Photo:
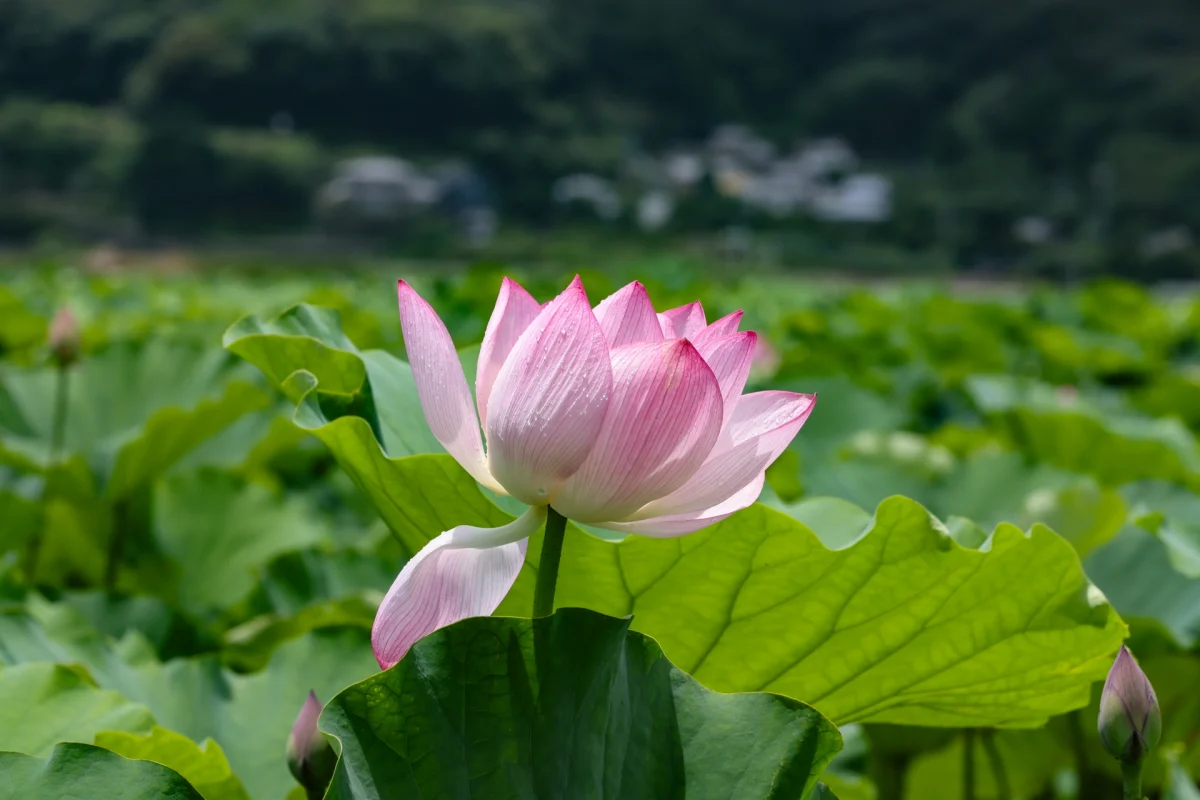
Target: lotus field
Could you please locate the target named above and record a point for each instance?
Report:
(643, 533)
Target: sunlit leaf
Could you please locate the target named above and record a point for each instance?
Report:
(204, 766)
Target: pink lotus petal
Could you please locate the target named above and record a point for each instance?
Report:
(441, 384)
(685, 321)
(515, 310)
(730, 358)
(464, 572)
(662, 422)
(549, 400)
(671, 526)
(627, 316)
(762, 427)
(725, 326)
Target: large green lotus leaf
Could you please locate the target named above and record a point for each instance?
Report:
(85, 771)
(573, 705)
(132, 411)
(249, 716)
(44, 704)
(1114, 446)
(904, 626)
(1136, 573)
(204, 765)
(220, 531)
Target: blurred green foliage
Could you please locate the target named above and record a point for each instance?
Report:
(263, 512)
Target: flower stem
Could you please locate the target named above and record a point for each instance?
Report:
(58, 427)
(999, 774)
(1131, 775)
(969, 764)
(547, 576)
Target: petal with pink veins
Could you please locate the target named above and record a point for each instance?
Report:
(762, 427)
(673, 525)
(730, 358)
(549, 400)
(662, 422)
(464, 572)
(684, 322)
(441, 384)
(725, 326)
(627, 316)
(515, 310)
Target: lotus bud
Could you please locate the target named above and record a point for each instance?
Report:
(309, 756)
(1130, 722)
(64, 337)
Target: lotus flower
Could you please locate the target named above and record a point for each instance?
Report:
(1130, 722)
(617, 416)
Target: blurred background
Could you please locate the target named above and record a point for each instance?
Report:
(1052, 138)
(170, 166)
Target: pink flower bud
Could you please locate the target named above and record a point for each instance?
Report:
(309, 756)
(1130, 722)
(64, 337)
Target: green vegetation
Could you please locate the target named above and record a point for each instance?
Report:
(982, 113)
(243, 468)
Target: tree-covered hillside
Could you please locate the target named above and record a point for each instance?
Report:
(1086, 112)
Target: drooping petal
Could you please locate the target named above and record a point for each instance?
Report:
(730, 358)
(549, 400)
(670, 526)
(627, 317)
(515, 310)
(683, 322)
(441, 384)
(662, 422)
(464, 572)
(762, 427)
(725, 326)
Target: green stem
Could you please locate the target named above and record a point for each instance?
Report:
(969, 764)
(547, 575)
(58, 427)
(999, 774)
(1131, 779)
(1078, 745)
(887, 771)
